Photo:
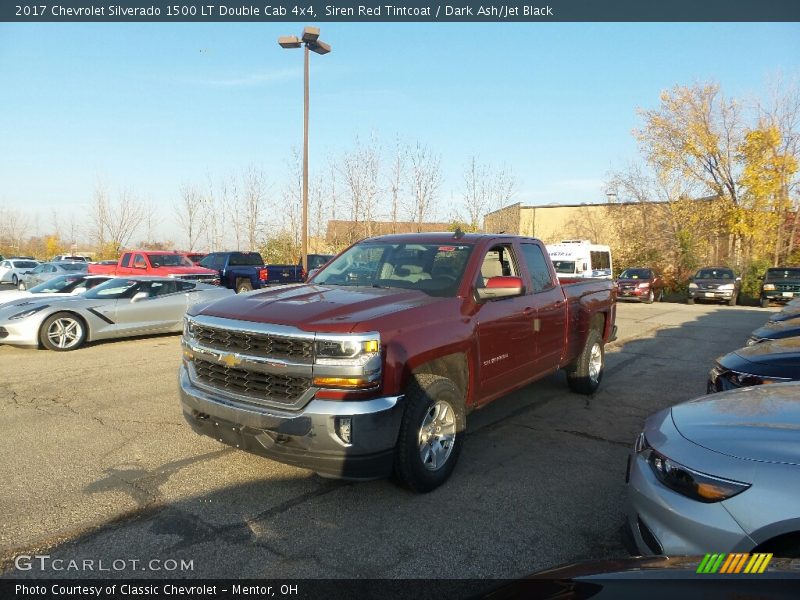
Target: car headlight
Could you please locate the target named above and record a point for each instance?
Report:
(769, 287)
(693, 484)
(753, 340)
(646, 284)
(27, 313)
(726, 286)
(746, 379)
(188, 327)
(692, 286)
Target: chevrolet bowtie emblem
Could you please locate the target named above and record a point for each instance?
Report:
(231, 360)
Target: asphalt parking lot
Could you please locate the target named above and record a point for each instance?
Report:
(99, 465)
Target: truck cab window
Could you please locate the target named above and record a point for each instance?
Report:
(126, 260)
(497, 262)
(537, 266)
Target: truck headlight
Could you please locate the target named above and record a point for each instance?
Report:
(726, 286)
(769, 287)
(692, 286)
(346, 348)
(646, 284)
(693, 484)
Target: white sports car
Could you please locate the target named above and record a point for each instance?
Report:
(120, 307)
(62, 286)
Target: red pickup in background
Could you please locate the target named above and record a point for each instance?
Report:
(157, 263)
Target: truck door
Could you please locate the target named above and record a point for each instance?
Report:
(503, 327)
(550, 318)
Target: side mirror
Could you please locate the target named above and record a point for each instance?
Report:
(499, 287)
(139, 296)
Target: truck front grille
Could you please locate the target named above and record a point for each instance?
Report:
(254, 344)
(258, 386)
(787, 287)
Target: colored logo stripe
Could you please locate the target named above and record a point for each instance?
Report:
(734, 563)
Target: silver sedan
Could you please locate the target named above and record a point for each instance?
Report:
(719, 474)
(120, 307)
(47, 271)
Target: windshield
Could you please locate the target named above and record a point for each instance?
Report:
(714, 274)
(63, 284)
(77, 267)
(564, 266)
(118, 287)
(24, 264)
(435, 269)
(773, 274)
(635, 274)
(169, 260)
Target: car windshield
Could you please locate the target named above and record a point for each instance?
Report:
(564, 266)
(76, 267)
(435, 269)
(24, 264)
(118, 287)
(635, 274)
(169, 260)
(773, 274)
(63, 284)
(714, 274)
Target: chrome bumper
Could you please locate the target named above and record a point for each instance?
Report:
(305, 438)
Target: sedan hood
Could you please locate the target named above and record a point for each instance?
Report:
(632, 281)
(759, 423)
(775, 330)
(776, 352)
(317, 307)
(786, 314)
(713, 281)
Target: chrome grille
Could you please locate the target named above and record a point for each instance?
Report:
(254, 344)
(259, 386)
(787, 287)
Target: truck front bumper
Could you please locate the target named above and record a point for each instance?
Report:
(309, 438)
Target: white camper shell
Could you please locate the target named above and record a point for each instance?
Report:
(581, 258)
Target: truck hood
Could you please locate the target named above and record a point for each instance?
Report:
(317, 307)
(761, 423)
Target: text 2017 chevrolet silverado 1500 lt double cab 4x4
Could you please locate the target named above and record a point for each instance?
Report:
(373, 365)
(158, 263)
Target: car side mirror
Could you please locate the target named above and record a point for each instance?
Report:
(500, 287)
(139, 296)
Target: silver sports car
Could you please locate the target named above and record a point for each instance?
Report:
(48, 270)
(120, 307)
(62, 286)
(719, 474)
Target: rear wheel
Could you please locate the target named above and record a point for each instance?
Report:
(585, 373)
(243, 285)
(764, 302)
(63, 332)
(431, 433)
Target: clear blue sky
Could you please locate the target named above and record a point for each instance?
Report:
(150, 107)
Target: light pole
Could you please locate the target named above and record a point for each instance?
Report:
(312, 42)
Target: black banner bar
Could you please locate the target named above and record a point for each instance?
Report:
(399, 11)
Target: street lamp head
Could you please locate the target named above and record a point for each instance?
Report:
(319, 47)
(310, 34)
(289, 41)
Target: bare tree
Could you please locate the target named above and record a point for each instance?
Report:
(255, 198)
(115, 222)
(486, 189)
(397, 171)
(424, 180)
(191, 214)
(14, 228)
(360, 170)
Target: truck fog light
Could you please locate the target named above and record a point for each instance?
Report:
(344, 429)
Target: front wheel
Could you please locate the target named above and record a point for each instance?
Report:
(764, 302)
(650, 297)
(661, 295)
(732, 301)
(21, 286)
(690, 301)
(585, 373)
(14, 280)
(62, 332)
(431, 433)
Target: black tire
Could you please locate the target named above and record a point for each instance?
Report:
(583, 376)
(72, 336)
(733, 301)
(14, 280)
(243, 285)
(21, 286)
(783, 547)
(764, 302)
(650, 297)
(661, 295)
(424, 394)
(690, 301)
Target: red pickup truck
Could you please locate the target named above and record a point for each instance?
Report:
(373, 365)
(157, 263)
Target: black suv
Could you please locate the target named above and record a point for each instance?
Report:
(780, 284)
(715, 283)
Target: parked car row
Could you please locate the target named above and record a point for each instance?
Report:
(721, 473)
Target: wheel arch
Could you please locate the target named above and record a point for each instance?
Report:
(454, 366)
(73, 313)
